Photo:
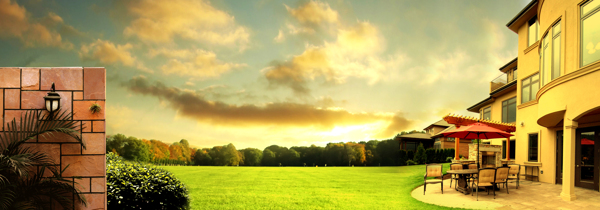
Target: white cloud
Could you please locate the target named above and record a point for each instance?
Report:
(162, 21)
(106, 52)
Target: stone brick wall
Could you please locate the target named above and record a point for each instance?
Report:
(497, 149)
(23, 89)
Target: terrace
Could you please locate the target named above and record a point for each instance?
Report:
(530, 195)
(501, 81)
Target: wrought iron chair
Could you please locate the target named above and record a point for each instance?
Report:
(433, 170)
(455, 166)
(485, 179)
(502, 177)
(515, 173)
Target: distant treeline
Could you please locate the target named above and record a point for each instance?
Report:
(370, 153)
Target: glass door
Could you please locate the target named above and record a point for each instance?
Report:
(586, 173)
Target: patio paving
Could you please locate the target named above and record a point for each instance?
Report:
(530, 195)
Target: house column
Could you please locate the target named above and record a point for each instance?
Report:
(456, 148)
(568, 181)
(507, 149)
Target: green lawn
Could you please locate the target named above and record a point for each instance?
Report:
(302, 187)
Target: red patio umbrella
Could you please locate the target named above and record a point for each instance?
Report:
(477, 131)
(585, 141)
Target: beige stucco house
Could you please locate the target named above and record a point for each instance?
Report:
(554, 100)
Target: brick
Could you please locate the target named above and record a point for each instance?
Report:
(83, 184)
(9, 115)
(84, 165)
(98, 126)
(56, 137)
(35, 100)
(2, 109)
(30, 79)
(71, 149)
(81, 110)
(70, 78)
(52, 150)
(12, 98)
(98, 184)
(94, 83)
(10, 78)
(95, 143)
(87, 126)
(95, 202)
(77, 95)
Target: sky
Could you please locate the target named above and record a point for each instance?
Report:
(264, 72)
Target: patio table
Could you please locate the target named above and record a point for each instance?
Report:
(463, 185)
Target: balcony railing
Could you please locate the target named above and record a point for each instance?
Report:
(499, 82)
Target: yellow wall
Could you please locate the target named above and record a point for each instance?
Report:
(575, 92)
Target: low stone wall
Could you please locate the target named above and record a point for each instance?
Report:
(23, 89)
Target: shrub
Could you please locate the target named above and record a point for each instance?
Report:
(449, 159)
(410, 155)
(402, 158)
(420, 156)
(411, 162)
(136, 186)
(430, 155)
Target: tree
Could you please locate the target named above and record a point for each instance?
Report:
(268, 158)
(175, 152)
(230, 155)
(202, 158)
(420, 156)
(292, 158)
(253, 157)
(116, 143)
(136, 150)
(185, 150)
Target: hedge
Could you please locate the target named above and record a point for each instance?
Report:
(136, 186)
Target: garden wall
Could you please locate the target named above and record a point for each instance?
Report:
(23, 89)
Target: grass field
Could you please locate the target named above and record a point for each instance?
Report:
(302, 187)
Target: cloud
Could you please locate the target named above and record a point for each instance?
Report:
(161, 21)
(314, 12)
(108, 53)
(356, 52)
(280, 37)
(199, 65)
(190, 104)
(15, 22)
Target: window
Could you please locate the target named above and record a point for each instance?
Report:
(533, 31)
(486, 113)
(509, 110)
(550, 55)
(533, 148)
(514, 74)
(450, 139)
(590, 32)
(437, 139)
(530, 87)
(437, 145)
(512, 149)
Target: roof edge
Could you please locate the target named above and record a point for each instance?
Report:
(508, 64)
(522, 12)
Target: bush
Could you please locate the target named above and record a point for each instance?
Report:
(431, 158)
(402, 158)
(410, 155)
(449, 159)
(420, 156)
(136, 186)
(411, 162)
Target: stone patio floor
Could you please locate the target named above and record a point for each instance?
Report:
(530, 195)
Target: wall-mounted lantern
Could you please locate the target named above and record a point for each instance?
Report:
(52, 101)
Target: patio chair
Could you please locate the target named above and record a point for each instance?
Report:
(433, 170)
(455, 166)
(514, 173)
(502, 177)
(484, 179)
(474, 176)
